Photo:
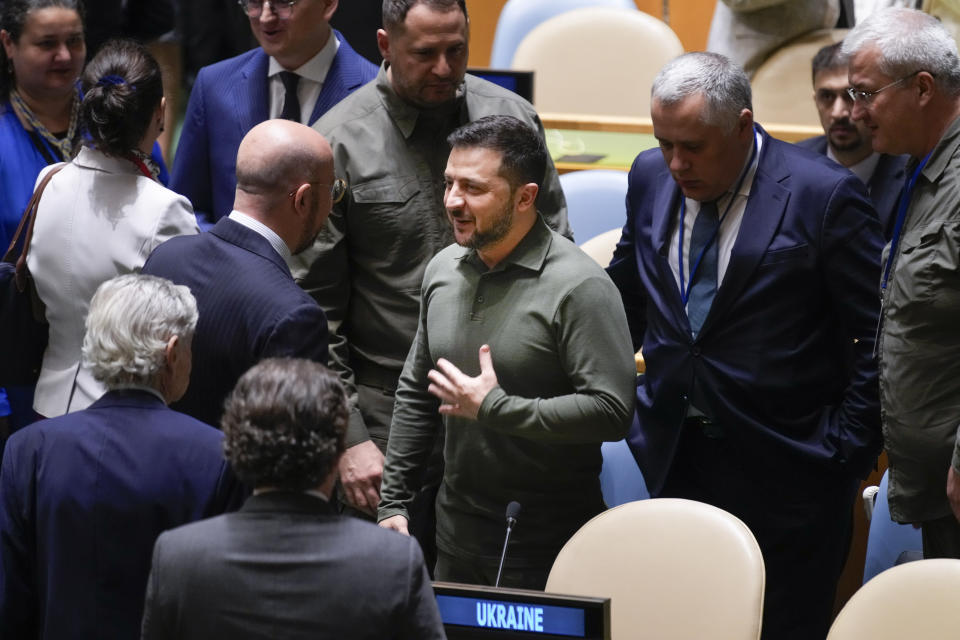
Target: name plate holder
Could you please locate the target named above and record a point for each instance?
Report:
(473, 612)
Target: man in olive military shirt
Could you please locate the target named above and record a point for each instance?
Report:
(555, 374)
(389, 143)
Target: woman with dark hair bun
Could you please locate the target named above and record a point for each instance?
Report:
(101, 215)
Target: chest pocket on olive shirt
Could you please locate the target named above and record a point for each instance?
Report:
(930, 262)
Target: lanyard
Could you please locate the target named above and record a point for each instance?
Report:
(684, 291)
(901, 218)
(140, 164)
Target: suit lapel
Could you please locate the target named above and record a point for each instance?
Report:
(251, 97)
(665, 205)
(761, 219)
(343, 77)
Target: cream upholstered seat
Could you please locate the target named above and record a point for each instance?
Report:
(783, 84)
(914, 600)
(601, 247)
(674, 570)
(598, 60)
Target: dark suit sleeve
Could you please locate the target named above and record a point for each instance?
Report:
(851, 243)
(302, 333)
(229, 495)
(155, 625)
(18, 567)
(191, 168)
(623, 266)
(421, 620)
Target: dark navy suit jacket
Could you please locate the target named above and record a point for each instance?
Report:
(884, 186)
(84, 496)
(228, 99)
(250, 309)
(769, 363)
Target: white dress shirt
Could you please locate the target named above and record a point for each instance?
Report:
(263, 230)
(729, 226)
(312, 74)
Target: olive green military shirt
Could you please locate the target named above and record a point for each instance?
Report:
(366, 267)
(919, 341)
(563, 358)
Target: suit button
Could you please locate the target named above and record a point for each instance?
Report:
(695, 350)
(479, 299)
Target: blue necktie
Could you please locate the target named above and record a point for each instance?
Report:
(291, 103)
(703, 283)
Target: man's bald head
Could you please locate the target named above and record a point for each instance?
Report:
(284, 180)
(277, 155)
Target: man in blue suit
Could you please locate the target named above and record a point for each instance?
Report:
(301, 69)
(850, 143)
(748, 270)
(84, 496)
(250, 307)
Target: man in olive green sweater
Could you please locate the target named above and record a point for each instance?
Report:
(554, 377)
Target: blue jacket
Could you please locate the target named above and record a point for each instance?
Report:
(228, 99)
(250, 309)
(84, 496)
(775, 362)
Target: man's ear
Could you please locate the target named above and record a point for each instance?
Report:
(925, 86)
(383, 44)
(301, 199)
(171, 353)
(745, 122)
(331, 8)
(526, 196)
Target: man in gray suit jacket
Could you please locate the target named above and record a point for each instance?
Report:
(286, 565)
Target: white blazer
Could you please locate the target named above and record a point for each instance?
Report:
(98, 218)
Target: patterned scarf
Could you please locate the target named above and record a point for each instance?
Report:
(66, 145)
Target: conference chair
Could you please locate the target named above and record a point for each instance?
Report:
(596, 201)
(601, 247)
(783, 84)
(621, 480)
(888, 541)
(519, 17)
(598, 60)
(673, 569)
(913, 600)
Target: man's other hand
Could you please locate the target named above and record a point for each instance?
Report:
(361, 468)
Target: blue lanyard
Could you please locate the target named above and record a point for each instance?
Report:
(684, 291)
(901, 218)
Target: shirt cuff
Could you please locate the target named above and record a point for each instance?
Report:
(486, 407)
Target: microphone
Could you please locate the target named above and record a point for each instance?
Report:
(513, 510)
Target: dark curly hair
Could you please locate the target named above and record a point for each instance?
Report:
(122, 88)
(284, 424)
(13, 17)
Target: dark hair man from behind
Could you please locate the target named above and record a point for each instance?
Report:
(286, 565)
(84, 496)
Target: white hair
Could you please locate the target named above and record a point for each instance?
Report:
(132, 318)
(909, 41)
(723, 84)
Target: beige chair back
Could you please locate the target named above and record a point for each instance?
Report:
(597, 60)
(601, 247)
(783, 84)
(674, 570)
(914, 600)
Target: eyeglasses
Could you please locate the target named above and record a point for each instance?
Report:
(866, 97)
(282, 8)
(337, 190)
(826, 98)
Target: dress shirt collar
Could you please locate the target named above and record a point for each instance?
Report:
(863, 169)
(317, 67)
(263, 230)
(404, 114)
(530, 253)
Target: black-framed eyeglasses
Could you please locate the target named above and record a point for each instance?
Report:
(825, 98)
(253, 8)
(866, 97)
(337, 190)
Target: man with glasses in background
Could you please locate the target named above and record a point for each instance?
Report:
(250, 307)
(905, 81)
(301, 69)
(849, 143)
